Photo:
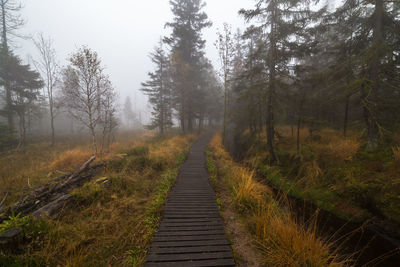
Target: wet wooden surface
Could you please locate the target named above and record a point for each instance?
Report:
(191, 232)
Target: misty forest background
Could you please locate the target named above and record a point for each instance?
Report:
(293, 65)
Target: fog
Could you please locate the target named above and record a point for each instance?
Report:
(123, 32)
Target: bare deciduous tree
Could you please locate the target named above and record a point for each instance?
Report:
(108, 112)
(81, 89)
(48, 68)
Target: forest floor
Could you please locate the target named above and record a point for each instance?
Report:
(333, 172)
(104, 224)
(113, 224)
(262, 229)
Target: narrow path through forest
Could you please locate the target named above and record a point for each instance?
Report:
(191, 232)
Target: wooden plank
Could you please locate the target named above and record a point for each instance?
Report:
(188, 220)
(191, 228)
(189, 238)
(190, 224)
(192, 233)
(189, 256)
(189, 243)
(190, 216)
(172, 250)
(189, 212)
(202, 263)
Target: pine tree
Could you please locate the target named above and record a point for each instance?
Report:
(10, 22)
(283, 21)
(158, 89)
(24, 85)
(370, 33)
(187, 51)
(129, 114)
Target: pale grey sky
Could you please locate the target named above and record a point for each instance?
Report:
(123, 32)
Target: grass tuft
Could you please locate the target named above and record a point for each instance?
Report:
(396, 154)
(71, 159)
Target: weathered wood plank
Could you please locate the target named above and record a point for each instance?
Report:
(191, 232)
(189, 243)
(173, 250)
(202, 263)
(189, 256)
(189, 238)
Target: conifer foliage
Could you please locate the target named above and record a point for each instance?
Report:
(182, 81)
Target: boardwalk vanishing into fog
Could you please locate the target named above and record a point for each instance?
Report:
(191, 232)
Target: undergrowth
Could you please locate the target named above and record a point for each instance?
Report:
(283, 240)
(23, 170)
(109, 223)
(332, 171)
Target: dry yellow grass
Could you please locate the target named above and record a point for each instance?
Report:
(286, 130)
(282, 240)
(71, 159)
(165, 150)
(310, 172)
(112, 225)
(23, 170)
(396, 154)
(336, 148)
(247, 192)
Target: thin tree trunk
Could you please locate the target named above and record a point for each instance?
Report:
(53, 134)
(10, 120)
(346, 115)
(298, 134)
(22, 130)
(271, 93)
(182, 115)
(299, 119)
(94, 144)
(190, 119)
(225, 104)
(4, 33)
(371, 97)
(292, 128)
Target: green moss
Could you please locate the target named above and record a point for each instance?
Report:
(138, 151)
(88, 193)
(212, 168)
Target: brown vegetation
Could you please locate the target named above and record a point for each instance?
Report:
(333, 171)
(282, 239)
(109, 223)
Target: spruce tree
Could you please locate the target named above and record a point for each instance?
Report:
(283, 21)
(158, 89)
(187, 47)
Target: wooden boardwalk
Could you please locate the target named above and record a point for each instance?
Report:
(191, 232)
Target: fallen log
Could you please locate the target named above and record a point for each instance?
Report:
(53, 207)
(51, 191)
(9, 238)
(80, 170)
(2, 202)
